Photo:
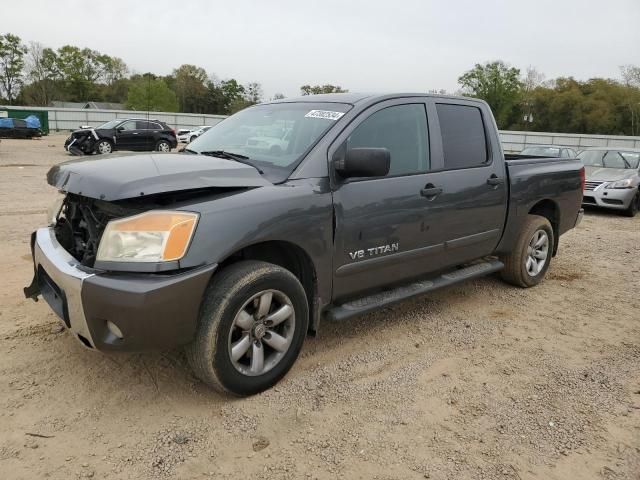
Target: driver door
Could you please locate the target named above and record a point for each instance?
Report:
(129, 136)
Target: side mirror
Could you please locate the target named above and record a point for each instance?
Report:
(363, 162)
(120, 129)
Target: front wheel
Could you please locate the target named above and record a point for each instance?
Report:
(104, 147)
(253, 321)
(529, 261)
(163, 146)
(634, 206)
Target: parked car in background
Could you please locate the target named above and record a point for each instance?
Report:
(189, 135)
(238, 254)
(136, 134)
(268, 143)
(19, 128)
(549, 151)
(612, 178)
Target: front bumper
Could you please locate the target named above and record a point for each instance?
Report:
(152, 311)
(615, 198)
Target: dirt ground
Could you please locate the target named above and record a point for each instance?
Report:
(483, 380)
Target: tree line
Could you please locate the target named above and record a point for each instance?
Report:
(525, 101)
(36, 75)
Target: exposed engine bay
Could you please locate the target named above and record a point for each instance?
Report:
(82, 142)
(81, 222)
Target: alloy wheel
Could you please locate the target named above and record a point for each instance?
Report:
(261, 333)
(537, 253)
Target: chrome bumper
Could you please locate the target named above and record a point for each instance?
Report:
(61, 283)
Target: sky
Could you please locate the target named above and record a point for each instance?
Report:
(364, 46)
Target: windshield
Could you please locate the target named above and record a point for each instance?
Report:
(541, 151)
(273, 137)
(110, 124)
(610, 159)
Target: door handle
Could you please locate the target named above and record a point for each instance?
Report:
(430, 191)
(136, 133)
(494, 180)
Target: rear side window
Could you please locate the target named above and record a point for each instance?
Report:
(401, 129)
(463, 137)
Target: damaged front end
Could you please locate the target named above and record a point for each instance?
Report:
(81, 142)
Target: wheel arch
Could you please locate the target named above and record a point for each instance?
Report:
(549, 209)
(287, 255)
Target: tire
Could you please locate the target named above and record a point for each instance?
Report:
(634, 206)
(193, 137)
(231, 317)
(518, 267)
(163, 146)
(103, 147)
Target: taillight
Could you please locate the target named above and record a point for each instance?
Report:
(173, 130)
(583, 178)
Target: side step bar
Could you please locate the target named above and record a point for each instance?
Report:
(398, 294)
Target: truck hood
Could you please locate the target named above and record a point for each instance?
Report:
(137, 175)
(600, 174)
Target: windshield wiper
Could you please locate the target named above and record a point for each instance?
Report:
(231, 156)
(188, 150)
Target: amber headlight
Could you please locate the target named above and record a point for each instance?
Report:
(154, 236)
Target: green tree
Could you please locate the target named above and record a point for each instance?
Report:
(497, 84)
(150, 93)
(79, 70)
(190, 88)
(12, 53)
(254, 93)
(317, 89)
(42, 73)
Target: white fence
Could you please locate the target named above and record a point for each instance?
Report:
(515, 141)
(65, 119)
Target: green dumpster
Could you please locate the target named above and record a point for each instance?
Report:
(43, 115)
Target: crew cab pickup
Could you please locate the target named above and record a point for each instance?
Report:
(238, 252)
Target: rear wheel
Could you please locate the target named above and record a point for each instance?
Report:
(634, 206)
(163, 146)
(527, 264)
(253, 321)
(104, 147)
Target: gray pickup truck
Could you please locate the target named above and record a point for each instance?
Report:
(238, 247)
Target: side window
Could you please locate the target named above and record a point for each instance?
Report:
(142, 125)
(128, 125)
(401, 129)
(463, 137)
(564, 153)
(155, 126)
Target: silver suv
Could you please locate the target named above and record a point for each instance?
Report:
(612, 178)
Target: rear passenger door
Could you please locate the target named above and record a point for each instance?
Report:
(468, 165)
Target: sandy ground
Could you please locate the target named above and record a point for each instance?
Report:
(482, 380)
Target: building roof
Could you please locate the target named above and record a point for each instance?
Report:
(104, 106)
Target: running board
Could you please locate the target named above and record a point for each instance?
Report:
(398, 294)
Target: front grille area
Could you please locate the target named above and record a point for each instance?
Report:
(80, 225)
(590, 185)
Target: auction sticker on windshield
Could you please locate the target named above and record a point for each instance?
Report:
(326, 114)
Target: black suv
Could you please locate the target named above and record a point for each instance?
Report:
(122, 134)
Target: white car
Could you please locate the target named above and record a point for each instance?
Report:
(189, 135)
